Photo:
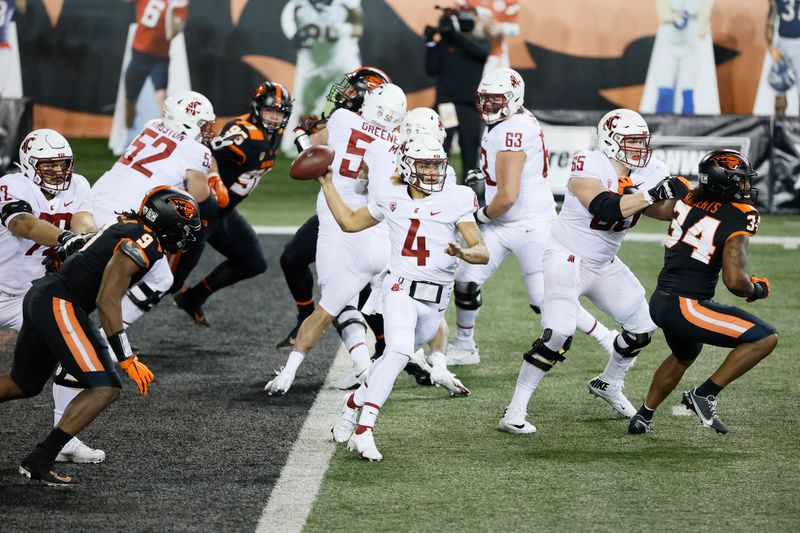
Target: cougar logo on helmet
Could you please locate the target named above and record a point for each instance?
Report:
(191, 108)
(611, 123)
(26, 144)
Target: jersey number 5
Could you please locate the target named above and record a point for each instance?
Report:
(421, 253)
(356, 150)
(699, 237)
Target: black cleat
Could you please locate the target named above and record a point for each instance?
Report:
(288, 342)
(705, 407)
(422, 376)
(182, 300)
(44, 474)
(638, 425)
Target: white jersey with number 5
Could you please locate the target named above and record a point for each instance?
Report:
(519, 133)
(157, 156)
(583, 234)
(420, 230)
(21, 259)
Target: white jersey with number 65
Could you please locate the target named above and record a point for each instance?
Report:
(157, 156)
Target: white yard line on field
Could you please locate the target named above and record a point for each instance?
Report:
(294, 493)
(789, 243)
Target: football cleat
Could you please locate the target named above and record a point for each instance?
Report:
(607, 342)
(354, 378)
(364, 446)
(613, 395)
(76, 451)
(282, 382)
(288, 342)
(639, 425)
(346, 423)
(44, 474)
(419, 368)
(442, 377)
(462, 355)
(514, 421)
(705, 407)
(192, 309)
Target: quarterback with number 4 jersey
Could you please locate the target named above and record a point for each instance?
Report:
(710, 230)
(425, 217)
(602, 203)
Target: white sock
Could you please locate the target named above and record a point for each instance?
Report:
(355, 340)
(369, 413)
(589, 325)
(465, 326)
(528, 380)
(62, 396)
(616, 368)
(381, 380)
(293, 362)
(438, 360)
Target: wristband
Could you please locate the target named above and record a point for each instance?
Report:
(759, 291)
(302, 141)
(120, 345)
(481, 216)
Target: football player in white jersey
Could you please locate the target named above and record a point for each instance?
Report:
(425, 216)
(349, 134)
(519, 209)
(42, 207)
(602, 203)
(168, 151)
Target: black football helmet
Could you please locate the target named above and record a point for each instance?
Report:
(727, 174)
(349, 92)
(173, 215)
(270, 95)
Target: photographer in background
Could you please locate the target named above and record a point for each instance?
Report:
(456, 60)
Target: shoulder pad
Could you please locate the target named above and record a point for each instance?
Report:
(134, 252)
(13, 208)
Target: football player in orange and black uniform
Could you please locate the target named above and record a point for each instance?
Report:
(56, 327)
(244, 151)
(710, 230)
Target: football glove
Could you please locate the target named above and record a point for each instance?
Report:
(662, 191)
(220, 142)
(52, 262)
(473, 176)
(761, 289)
(73, 243)
(138, 372)
(219, 190)
(309, 124)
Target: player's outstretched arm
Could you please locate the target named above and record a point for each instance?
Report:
(82, 222)
(476, 251)
(27, 226)
(350, 221)
(611, 207)
(734, 271)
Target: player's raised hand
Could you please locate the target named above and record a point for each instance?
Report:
(454, 249)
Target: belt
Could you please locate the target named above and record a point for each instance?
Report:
(422, 291)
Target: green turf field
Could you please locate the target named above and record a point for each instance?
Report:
(446, 468)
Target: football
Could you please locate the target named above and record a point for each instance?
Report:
(312, 163)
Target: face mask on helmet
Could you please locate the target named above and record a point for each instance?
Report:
(728, 174)
(500, 95)
(271, 106)
(173, 215)
(384, 106)
(623, 135)
(349, 92)
(46, 159)
(422, 120)
(423, 164)
(189, 113)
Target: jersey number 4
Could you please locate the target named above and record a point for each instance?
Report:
(148, 138)
(421, 252)
(699, 236)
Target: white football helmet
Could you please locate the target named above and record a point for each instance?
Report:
(622, 134)
(384, 106)
(422, 120)
(45, 158)
(500, 95)
(189, 113)
(423, 163)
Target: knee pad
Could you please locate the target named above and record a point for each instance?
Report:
(543, 357)
(349, 315)
(61, 377)
(634, 343)
(468, 296)
(143, 296)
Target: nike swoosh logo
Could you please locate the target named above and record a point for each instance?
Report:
(67, 203)
(440, 310)
(434, 213)
(640, 183)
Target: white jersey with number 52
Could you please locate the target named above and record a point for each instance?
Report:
(157, 156)
(420, 230)
(519, 133)
(576, 229)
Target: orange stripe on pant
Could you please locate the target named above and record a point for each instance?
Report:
(79, 346)
(702, 317)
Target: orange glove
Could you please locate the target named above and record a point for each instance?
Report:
(138, 372)
(218, 189)
(762, 288)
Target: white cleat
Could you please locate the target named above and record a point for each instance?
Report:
(514, 421)
(346, 423)
(607, 342)
(462, 355)
(354, 378)
(441, 377)
(76, 451)
(364, 446)
(613, 395)
(282, 382)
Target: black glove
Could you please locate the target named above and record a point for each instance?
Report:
(52, 262)
(761, 289)
(662, 191)
(430, 33)
(310, 124)
(73, 243)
